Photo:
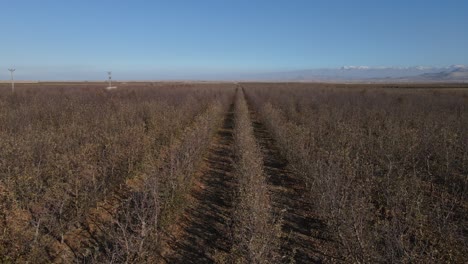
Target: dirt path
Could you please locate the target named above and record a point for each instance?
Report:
(203, 233)
(304, 235)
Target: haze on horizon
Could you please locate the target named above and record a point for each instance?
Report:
(141, 40)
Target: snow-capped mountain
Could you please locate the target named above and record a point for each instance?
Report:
(350, 73)
(459, 72)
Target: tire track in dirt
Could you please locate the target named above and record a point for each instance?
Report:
(203, 234)
(304, 236)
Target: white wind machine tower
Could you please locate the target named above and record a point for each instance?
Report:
(12, 79)
(109, 74)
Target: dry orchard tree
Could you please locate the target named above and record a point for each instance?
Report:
(256, 229)
(65, 151)
(157, 198)
(387, 168)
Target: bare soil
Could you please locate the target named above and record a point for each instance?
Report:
(203, 234)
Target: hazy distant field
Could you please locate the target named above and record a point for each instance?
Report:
(160, 172)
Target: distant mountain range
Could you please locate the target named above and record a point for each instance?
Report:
(453, 73)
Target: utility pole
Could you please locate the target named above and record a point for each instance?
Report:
(12, 80)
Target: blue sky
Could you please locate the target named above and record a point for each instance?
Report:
(200, 39)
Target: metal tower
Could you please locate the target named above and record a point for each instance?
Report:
(12, 79)
(109, 73)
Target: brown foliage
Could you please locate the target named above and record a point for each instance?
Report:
(91, 175)
(388, 168)
(256, 229)
(106, 168)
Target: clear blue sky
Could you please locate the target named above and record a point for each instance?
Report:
(81, 39)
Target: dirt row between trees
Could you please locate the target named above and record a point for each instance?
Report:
(203, 234)
(304, 237)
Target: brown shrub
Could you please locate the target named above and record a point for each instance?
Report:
(386, 167)
(67, 153)
(256, 229)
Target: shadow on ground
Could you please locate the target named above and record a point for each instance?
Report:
(304, 236)
(206, 224)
